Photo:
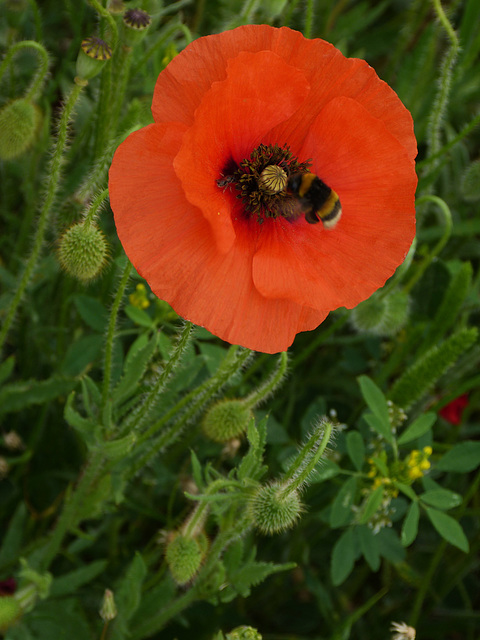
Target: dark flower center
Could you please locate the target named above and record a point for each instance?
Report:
(261, 181)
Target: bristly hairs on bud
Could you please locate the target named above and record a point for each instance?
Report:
(381, 314)
(184, 556)
(277, 506)
(229, 418)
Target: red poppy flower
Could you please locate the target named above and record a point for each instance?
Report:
(199, 225)
(453, 411)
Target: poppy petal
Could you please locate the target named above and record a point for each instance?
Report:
(227, 128)
(171, 245)
(343, 266)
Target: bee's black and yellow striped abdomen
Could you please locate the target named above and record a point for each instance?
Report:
(317, 200)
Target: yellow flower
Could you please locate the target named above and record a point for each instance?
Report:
(139, 297)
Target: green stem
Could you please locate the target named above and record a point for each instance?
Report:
(197, 399)
(445, 82)
(109, 18)
(41, 74)
(52, 188)
(458, 138)
(107, 368)
(307, 32)
(263, 391)
(92, 210)
(305, 462)
(136, 419)
(447, 220)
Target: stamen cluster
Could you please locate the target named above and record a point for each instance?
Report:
(258, 199)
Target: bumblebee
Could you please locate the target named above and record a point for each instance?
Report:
(316, 199)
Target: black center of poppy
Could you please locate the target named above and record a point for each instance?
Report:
(261, 181)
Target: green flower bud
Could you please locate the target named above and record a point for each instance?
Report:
(470, 186)
(226, 420)
(18, 125)
(184, 557)
(83, 251)
(136, 23)
(93, 54)
(10, 611)
(274, 508)
(243, 633)
(383, 315)
(109, 610)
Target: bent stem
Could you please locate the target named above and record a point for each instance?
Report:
(52, 188)
(41, 74)
(447, 232)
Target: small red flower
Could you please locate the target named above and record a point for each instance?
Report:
(193, 213)
(453, 411)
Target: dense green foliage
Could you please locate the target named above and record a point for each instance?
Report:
(351, 500)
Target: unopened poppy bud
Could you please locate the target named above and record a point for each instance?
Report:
(10, 611)
(109, 610)
(382, 315)
(273, 179)
(184, 556)
(226, 420)
(94, 53)
(470, 185)
(274, 508)
(83, 251)
(243, 633)
(136, 24)
(18, 126)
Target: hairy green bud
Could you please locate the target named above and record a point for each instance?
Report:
(274, 508)
(226, 420)
(243, 633)
(184, 556)
(383, 315)
(18, 125)
(83, 251)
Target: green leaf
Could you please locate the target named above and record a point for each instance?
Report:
(6, 369)
(70, 582)
(356, 449)
(17, 396)
(441, 499)
(369, 547)
(449, 529)
(81, 354)
(418, 428)
(343, 557)
(410, 524)
(86, 427)
(139, 316)
(389, 545)
(372, 504)
(406, 489)
(136, 362)
(341, 512)
(128, 593)
(375, 399)
(252, 466)
(462, 457)
(382, 428)
(196, 470)
(12, 538)
(91, 311)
